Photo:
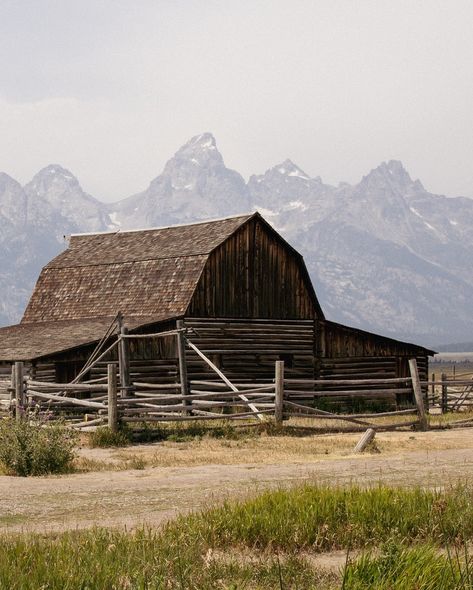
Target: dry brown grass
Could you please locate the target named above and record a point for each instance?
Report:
(296, 444)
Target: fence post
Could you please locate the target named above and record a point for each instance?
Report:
(423, 423)
(433, 389)
(365, 440)
(444, 394)
(124, 362)
(181, 353)
(279, 391)
(19, 390)
(112, 396)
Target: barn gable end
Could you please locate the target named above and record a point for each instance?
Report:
(254, 273)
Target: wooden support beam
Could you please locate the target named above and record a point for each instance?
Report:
(279, 388)
(69, 400)
(150, 335)
(423, 422)
(224, 379)
(432, 390)
(112, 397)
(12, 391)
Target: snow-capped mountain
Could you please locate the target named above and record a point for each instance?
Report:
(56, 200)
(195, 184)
(33, 222)
(384, 254)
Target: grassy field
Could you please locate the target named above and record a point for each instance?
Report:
(449, 365)
(393, 538)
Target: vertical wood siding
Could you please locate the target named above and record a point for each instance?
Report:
(254, 274)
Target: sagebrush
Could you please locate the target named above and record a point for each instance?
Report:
(35, 447)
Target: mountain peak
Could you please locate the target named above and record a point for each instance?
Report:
(55, 170)
(203, 145)
(8, 181)
(394, 174)
(204, 141)
(288, 168)
(394, 167)
(49, 176)
(199, 152)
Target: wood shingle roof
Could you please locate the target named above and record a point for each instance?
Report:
(148, 272)
(147, 275)
(23, 342)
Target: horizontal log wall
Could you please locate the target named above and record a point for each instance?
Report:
(338, 341)
(248, 349)
(5, 382)
(158, 371)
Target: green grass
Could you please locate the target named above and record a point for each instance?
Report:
(107, 560)
(323, 518)
(105, 437)
(262, 543)
(409, 568)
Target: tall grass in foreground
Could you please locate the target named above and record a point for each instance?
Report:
(111, 560)
(260, 544)
(404, 568)
(324, 518)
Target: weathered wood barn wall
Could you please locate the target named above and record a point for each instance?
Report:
(242, 290)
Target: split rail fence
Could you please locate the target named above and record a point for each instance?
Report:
(119, 398)
(89, 405)
(451, 394)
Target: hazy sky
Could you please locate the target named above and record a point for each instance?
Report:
(111, 88)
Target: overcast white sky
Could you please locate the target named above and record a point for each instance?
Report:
(111, 88)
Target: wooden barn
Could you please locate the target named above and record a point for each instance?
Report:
(243, 293)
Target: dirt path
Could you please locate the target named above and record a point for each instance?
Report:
(130, 498)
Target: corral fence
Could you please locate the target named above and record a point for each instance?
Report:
(88, 405)
(451, 394)
(120, 397)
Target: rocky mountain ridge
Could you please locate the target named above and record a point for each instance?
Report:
(384, 254)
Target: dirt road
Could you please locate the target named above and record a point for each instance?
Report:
(150, 496)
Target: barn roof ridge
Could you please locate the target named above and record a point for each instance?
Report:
(177, 242)
(243, 216)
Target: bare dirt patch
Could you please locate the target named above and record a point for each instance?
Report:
(203, 475)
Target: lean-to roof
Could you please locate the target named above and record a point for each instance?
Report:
(23, 342)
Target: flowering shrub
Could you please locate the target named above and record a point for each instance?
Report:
(35, 447)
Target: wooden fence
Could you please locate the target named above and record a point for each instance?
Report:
(103, 401)
(454, 394)
(124, 393)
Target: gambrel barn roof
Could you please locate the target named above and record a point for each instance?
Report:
(147, 275)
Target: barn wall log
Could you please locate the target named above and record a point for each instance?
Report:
(246, 350)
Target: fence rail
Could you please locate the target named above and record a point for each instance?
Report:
(450, 394)
(381, 403)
